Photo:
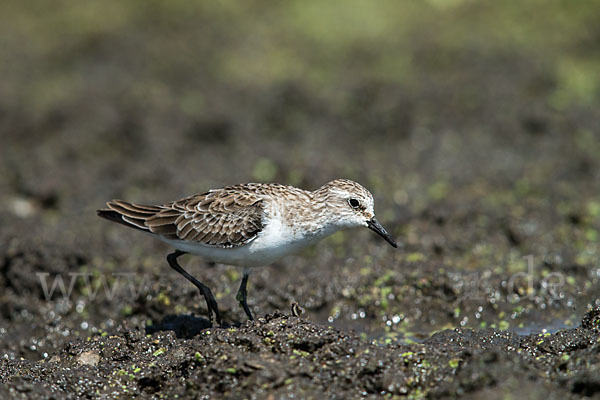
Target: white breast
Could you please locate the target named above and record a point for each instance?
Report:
(276, 240)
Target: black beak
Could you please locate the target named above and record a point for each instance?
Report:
(374, 225)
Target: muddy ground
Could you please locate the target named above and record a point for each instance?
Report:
(474, 124)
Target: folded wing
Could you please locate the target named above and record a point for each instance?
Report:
(221, 218)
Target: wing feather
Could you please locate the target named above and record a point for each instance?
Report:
(228, 217)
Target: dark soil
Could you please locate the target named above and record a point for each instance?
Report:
(285, 356)
(475, 125)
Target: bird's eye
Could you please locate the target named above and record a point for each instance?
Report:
(354, 203)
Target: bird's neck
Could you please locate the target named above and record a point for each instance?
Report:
(314, 215)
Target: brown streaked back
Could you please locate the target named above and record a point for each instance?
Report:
(228, 217)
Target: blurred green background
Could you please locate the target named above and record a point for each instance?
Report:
(396, 94)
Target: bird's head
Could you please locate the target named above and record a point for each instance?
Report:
(354, 206)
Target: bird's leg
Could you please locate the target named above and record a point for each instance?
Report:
(211, 303)
(242, 292)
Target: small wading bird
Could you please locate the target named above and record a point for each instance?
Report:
(249, 225)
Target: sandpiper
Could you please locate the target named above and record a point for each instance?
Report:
(249, 225)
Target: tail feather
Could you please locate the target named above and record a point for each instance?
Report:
(128, 214)
(155, 219)
(132, 209)
(135, 222)
(114, 216)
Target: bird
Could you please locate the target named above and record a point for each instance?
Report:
(249, 225)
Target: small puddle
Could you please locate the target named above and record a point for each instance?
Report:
(419, 333)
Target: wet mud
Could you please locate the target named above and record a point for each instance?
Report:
(478, 139)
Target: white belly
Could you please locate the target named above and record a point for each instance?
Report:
(277, 240)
